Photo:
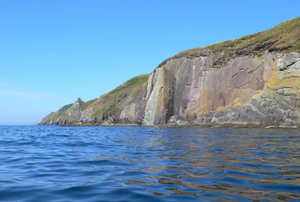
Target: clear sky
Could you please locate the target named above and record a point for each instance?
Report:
(52, 52)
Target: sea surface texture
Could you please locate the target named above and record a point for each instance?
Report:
(51, 163)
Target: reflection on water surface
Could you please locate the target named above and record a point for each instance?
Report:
(149, 163)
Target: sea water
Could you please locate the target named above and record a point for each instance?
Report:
(52, 163)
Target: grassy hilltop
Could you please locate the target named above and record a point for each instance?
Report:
(284, 37)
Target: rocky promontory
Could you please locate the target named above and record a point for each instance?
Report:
(254, 79)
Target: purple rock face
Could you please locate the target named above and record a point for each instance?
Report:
(205, 89)
(255, 78)
(241, 79)
(190, 75)
(223, 94)
(189, 90)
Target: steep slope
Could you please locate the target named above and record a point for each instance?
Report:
(241, 80)
(115, 106)
(252, 79)
(111, 107)
(67, 114)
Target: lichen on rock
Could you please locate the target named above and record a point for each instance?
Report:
(253, 79)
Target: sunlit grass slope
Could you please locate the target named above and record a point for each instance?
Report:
(284, 37)
(112, 103)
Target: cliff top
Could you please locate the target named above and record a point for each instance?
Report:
(284, 37)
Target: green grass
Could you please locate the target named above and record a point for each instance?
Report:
(84, 105)
(110, 103)
(284, 37)
(138, 80)
(63, 109)
(62, 112)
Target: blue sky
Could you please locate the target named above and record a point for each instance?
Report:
(52, 52)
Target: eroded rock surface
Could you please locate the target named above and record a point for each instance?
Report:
(66, 115)
(252, 79)
(159, 107)
(247, 89)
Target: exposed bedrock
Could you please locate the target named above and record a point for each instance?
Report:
(251, 79)
(86, 115)
(247, 89)
(190, 75)
(201, 90)
(160, 101)
(135, 112)
(75, 109)
(65, 115)
(279, 100)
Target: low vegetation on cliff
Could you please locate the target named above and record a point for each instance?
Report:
(253, 79)
(283, 37)
(112, 103)
(108, 105)
(68, 113)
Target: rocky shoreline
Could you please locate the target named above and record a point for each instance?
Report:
(206, 125)
(252, 81)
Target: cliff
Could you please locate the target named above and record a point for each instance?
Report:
(67, 114)
(252, 79)
(106, 109)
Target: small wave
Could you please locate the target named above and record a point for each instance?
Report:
(287, 126)
(149, 164)
(272, 127)
(281, 126)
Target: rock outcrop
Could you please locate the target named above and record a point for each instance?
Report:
(252, 79)
(248, 89)
(68, 114)
(160, 94)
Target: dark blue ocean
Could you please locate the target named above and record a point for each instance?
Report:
(52, 163)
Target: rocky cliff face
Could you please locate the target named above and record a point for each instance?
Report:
(253, 79)
(247, 90)
(160, 97)
(68, 114)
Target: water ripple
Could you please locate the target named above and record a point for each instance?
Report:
(49, 163)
